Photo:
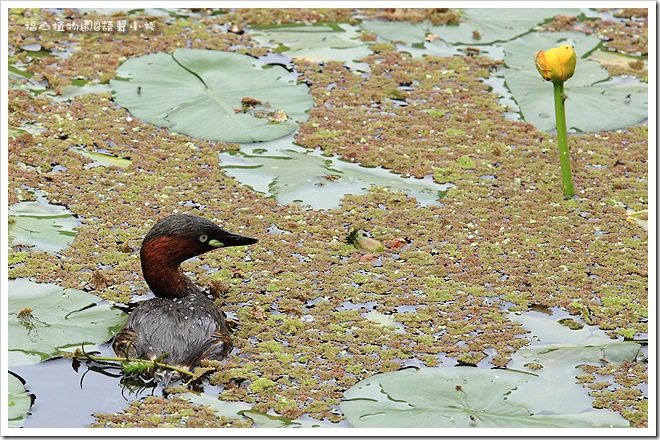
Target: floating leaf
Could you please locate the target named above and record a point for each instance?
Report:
(557, 390)
(19, 402)
(263, 420)
(69, 92)
(317, 43)
(385, 321)
(45, 319)
(15, 72)
(295, 175)
(497, 24)
(474, 397)
(230, 410)
(38, 224)
(403, 31)
(560, 350)
(595, 101)
(492, 25)
(634, 217)
(615, 59)
(28, 127)
(105, 160)
(201, 93)
(548, 331)
(456, 397)
(361, 241)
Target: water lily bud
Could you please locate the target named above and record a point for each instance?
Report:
(557, 64)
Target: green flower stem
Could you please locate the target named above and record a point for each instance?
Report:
(564, 157)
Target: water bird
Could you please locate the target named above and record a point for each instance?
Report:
(181, 325)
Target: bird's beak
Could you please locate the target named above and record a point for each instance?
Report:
(229, 239)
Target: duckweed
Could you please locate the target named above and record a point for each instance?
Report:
(509, 241)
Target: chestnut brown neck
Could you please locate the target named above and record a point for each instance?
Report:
(160, 259)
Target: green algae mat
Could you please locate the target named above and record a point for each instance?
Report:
(405, 91)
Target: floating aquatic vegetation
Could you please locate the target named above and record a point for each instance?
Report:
(488, 24)
(40, 225)
(45, 319)
(457, 397)
(497, 232)
(172, 412)
(221, 408)
(19, 401)
(592, 95)
(264, 420)
(319, 43)
(104, 159)
(538, 390)
(71, 91)
(203, 93)
(615, 59)
(558, 65)
(294, 175)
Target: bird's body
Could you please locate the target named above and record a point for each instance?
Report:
(187, 329)
(181, 326)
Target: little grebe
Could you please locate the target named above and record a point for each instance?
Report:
(181, 322)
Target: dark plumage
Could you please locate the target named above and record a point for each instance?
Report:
(181, 321)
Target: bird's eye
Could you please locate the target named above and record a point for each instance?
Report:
(203, 238)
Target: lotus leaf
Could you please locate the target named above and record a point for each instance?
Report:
(212, 94)
(560, 351)
(614, 58)
(45, 319)
(385, 321)
(549, 332)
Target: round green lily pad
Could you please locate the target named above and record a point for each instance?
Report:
(456, 397)
(213, 95)
(46, 319)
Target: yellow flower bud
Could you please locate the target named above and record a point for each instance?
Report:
(557, 64)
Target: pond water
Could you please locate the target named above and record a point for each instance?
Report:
(294, 175)
(66, 398)
(98, 389)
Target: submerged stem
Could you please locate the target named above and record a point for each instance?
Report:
(123, 360)
(564, 157)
